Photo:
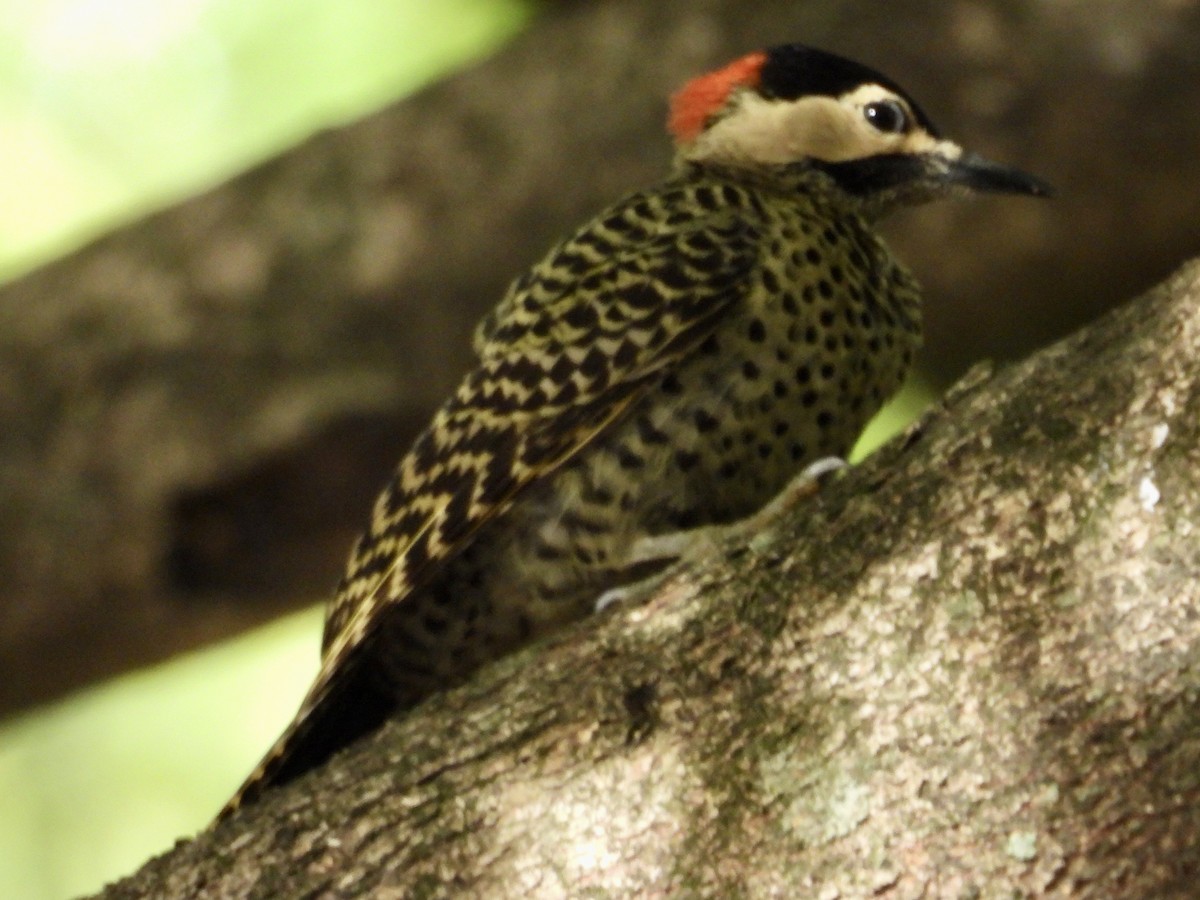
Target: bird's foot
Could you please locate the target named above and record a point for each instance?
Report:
(695, 544)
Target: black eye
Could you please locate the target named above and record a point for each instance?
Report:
(887, 116)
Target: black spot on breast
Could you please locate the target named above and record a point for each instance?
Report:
(670, 385)
(547, 552)
(750, 370)
(596, 495)
(686, 460)
(573, 521)
(757, 332)
(628, 459)
(825, 289)
(803, 375)
(434, 622)
(705, 421)
(649, 434)
(824, 419)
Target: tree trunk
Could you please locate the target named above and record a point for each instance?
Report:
(968, 667)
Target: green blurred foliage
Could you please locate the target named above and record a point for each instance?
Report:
(893, 418)
(94, 785)
(109, 109)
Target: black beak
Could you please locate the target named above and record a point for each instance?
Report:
(979, 174)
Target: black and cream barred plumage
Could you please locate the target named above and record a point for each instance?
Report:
(673, 364)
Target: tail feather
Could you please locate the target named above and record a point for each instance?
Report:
(355, 706)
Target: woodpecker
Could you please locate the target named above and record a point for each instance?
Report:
(670, 366)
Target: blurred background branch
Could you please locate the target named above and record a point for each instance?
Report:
(197, 407)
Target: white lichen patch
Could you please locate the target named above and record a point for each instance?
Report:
(1148, 494)
(1159, 434)
(591, 834)
(821, 807)
(1022, 845)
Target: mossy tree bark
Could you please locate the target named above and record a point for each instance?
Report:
(968, 667)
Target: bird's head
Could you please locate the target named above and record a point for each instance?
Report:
(796, 105)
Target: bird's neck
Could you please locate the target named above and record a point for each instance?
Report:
(799, 179)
